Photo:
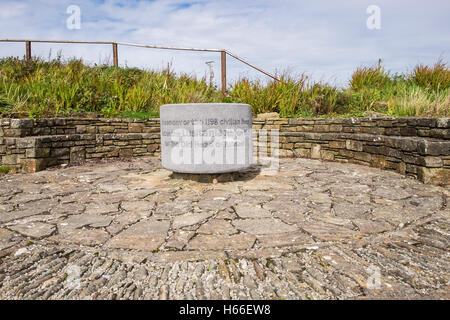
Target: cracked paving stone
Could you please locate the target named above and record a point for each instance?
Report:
(28, 209)
(217, 226)
(222, 242)
(292, 214)
(5, 235)
(190, 219)
(82, 220)
(391, 214)
(246, 210)
(370, 226)
(19, 214)
(263, 226)
(145, 236)
(319, 198)
(213, 204)
(179, 239)
(112, 187)
(68, 208)
(284, 239)
(390, 193)
(101, 208)
(351, 211)
(141, 205)
(125, 219)
(37, 230)
(172, 208)
(5, 238)
(328, 232)
(266, 184)
(81, 236)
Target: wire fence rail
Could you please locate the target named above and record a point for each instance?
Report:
(115, 45)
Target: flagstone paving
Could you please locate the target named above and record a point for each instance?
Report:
(132, 230)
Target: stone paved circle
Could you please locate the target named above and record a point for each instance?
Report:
(313, 230)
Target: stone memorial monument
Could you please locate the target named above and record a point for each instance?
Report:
(206, 137)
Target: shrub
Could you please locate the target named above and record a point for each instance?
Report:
(436, 77)
(370, 77)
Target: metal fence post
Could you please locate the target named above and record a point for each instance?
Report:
(115, 55)
(224, 71)
(28, 50)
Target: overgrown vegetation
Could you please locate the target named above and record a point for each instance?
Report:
(39, 88)
(5, 169)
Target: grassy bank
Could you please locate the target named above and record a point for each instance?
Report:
(39, 88)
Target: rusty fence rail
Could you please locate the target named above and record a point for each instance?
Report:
(223, 53)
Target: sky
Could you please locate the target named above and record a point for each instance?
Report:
(326, 39)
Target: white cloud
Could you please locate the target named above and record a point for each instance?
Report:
(328, 39)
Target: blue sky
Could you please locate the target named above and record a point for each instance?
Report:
(324, 38)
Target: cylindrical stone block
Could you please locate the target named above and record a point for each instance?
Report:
(206, 137)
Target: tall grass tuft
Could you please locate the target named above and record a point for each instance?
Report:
(370, 77)
(435, 78)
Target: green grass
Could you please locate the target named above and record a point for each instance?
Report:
(39, 88)
(5, 169)
(139, 114)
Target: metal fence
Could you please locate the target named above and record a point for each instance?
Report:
(115, 49)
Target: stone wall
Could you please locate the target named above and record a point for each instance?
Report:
(418, 147)
(61, 126)
(32, 145)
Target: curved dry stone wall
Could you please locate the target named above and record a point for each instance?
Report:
(418, 147)
(31, 145)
